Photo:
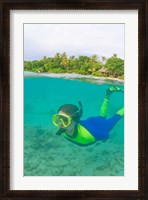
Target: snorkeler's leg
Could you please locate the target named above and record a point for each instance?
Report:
(120, 112)
(113, 120)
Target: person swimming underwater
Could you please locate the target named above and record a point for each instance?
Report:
(86, 132)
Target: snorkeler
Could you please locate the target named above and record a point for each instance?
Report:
(86, 132)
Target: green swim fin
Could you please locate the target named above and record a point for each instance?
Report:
(120, 112)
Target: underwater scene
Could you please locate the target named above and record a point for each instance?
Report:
(48, 154)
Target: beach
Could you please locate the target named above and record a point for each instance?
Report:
(87, 78)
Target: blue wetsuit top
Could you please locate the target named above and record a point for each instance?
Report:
(99, 126)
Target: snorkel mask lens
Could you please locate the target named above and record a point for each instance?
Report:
(61, 119)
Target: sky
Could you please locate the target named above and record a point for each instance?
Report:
(75, 39)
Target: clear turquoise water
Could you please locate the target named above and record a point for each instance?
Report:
(46, 154)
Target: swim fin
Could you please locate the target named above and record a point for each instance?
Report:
(120, 112)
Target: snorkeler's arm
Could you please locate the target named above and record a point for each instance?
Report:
(104, 108)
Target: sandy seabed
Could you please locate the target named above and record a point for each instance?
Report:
(49, 155)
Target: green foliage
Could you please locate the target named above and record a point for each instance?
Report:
(115, 66)
(85, 65)
(97, 74)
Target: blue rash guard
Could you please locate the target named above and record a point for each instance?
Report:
(95, 128)
(92, 129)
(99, 126)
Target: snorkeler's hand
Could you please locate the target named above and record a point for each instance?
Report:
(112, 89)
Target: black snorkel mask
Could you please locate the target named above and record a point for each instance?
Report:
(75, 117)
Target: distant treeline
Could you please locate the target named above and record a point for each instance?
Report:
(105, 67)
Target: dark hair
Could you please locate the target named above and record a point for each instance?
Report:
(73, 111)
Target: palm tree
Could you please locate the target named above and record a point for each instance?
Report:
(104, 59)
(64, 60)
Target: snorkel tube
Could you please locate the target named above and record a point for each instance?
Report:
(80, 108)
(60, 131)
(75, 116)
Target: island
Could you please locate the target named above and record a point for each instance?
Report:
(112, 67)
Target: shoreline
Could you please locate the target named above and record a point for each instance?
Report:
(72, 76)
